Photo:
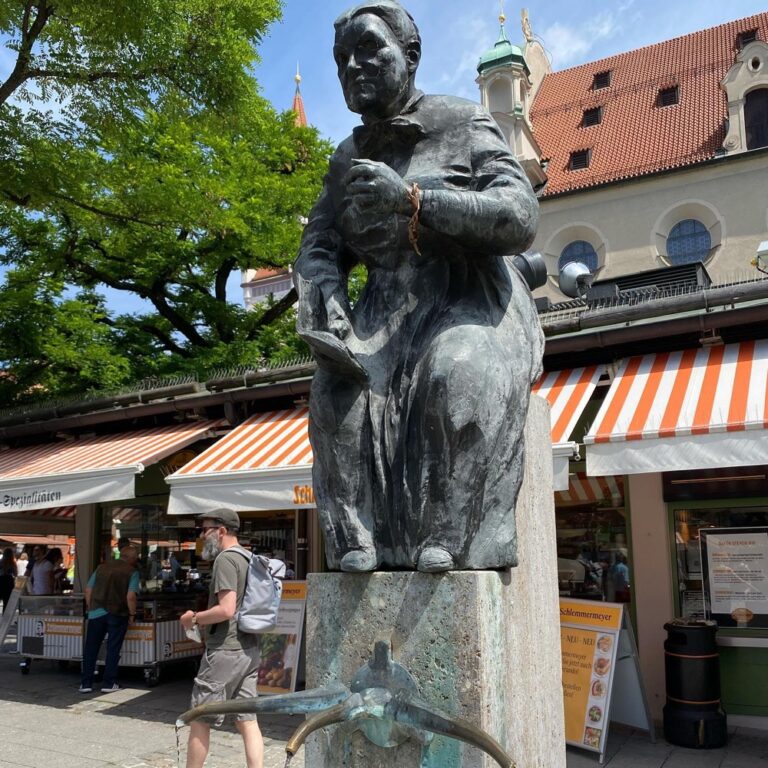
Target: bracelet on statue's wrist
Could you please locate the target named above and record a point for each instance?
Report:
(414, 196)
(194, 618)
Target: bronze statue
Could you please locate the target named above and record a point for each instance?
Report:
(421, 394)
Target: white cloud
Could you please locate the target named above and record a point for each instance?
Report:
(571, 44)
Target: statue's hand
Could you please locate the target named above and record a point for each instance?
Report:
(374, 186)
(338, 319)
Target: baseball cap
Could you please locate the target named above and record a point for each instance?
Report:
(227, 517)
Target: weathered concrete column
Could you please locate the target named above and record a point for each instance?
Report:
(482, 645)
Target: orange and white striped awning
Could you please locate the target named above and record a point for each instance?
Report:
(694, 409)
(264, 463)
(583, 489)
(567, 393)
(88, 470)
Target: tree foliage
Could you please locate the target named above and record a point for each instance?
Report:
(137, 154)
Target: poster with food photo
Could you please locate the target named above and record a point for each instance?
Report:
(280, 648)
(589, 639)
(736, 576)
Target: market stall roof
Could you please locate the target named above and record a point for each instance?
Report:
(88, 470)
(48, 541)
(60, 513)
(695, 409)
(264, 463)
(583, 489)
(567, 393)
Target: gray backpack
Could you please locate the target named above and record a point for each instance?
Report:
(263, 589)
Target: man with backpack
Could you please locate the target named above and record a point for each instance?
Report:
(229, 667)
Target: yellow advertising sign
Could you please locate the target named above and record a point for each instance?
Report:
(590, 614)
(294, 590)
(589, 637)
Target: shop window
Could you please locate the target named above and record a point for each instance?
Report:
(593, 558)
(580, 251)
(688, 241)
(688, 525)
(756, 118)
(168, 556)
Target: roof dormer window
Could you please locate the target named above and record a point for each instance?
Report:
(668, 96)
(580, 159)
(743, 39)
(601, 80)
(592, 116)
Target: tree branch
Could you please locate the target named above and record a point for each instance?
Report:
(222, 275)
(273, 313)
(121, 217)
(166, 340)
(84, 76)
(180, 323)
(29, 34)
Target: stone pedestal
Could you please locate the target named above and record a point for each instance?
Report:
(482, 645)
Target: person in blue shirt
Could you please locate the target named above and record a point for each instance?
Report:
(620, 575)
(110, 597)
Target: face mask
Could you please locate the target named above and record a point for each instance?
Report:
(211, 547)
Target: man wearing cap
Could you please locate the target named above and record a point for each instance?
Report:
(229, 667)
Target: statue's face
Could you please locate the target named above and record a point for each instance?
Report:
(373, 69)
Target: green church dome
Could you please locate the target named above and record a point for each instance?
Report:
(504, 52)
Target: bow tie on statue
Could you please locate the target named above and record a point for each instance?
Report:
(403, 130)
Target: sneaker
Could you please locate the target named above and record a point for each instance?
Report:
(111, 689)
(84, 689)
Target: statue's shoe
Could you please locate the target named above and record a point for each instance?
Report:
(435, 560)
(359, 561)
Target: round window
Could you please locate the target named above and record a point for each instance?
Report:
(688, 241)
(581, 251)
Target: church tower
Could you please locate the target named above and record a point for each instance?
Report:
(507, 87)
(298, 102)
(261, 285)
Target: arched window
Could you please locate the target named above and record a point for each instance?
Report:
(581, 251)
(756, 118)
(688, 241)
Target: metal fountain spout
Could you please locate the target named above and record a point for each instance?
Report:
(383, 702)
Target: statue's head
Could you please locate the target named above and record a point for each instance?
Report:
(377, 52)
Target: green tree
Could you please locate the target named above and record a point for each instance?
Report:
(160, 173)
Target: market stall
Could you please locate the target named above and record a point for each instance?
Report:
(53, 627)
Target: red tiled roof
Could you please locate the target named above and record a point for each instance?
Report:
(263, 274)
(635, 136)
(298, 108)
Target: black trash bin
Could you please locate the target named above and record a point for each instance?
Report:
(693, 715)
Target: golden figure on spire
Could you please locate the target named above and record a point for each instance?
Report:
(298, 74)
(527, 31)
(502, 15)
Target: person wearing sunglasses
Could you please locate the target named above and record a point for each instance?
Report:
(229, 667)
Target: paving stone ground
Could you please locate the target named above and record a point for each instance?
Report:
(46, 723)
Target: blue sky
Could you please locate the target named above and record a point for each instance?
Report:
(456, 32)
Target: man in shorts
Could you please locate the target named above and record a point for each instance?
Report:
(229, 667)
